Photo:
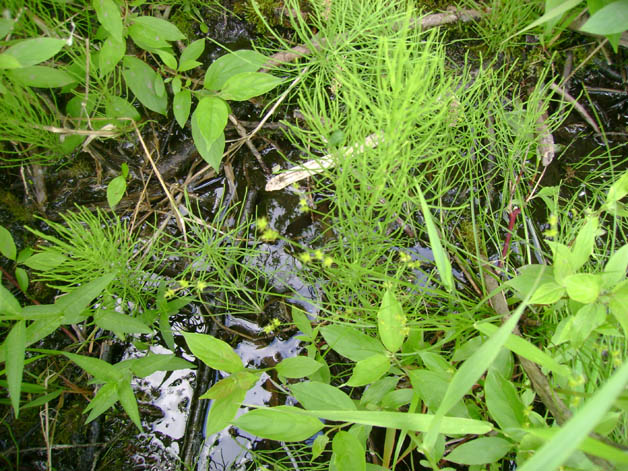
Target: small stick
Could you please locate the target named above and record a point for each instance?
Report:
(577, 106)
(249, 144)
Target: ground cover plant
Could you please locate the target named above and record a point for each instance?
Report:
(461, 311)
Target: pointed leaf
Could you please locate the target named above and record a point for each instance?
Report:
(239, 381)
(164, 28)
(281, 423)
(555, 12)
(483, 450)
(213, 352)
(115, 191)
(391, 322)
(189, 55)
(111, 53)
(181, 105)
(611, 19)
(141, 80)
(15, 346)
(231, 64)
(369, 370)
(583, 287)
(299, 318)
(104, 399)
(120, 324)
(297, 367)
(99, 369)
(348, 452)
(78, 300)
(36, 50)
(320, 396)
(211, 116)
(9, 306)
(42, 77)
(223, 410)
(319, 445)
(502, 401)
(246, 85)
(129, 403)
(615, 269)
(108, 15)
(44, 261)
(350, 342)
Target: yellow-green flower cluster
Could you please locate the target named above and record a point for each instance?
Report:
(553, 223)
(319, 255)
(407, 259)
(272, 325)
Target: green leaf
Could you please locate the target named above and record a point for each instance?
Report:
(147, 38)
(7, 246)
(402, 420)
(104, 399)
(167, 58)
(299, 318)
(391, 322)
(431, 387)
(164, 28)
(141, 80)
(553, 13)
(181, 105)
(616, 192)
(585, 242)
(231, 64)
(563, 261)
(41, 76)
(36, 331)
(36, 50)
(618, 304)
(526, 280)
(502, 401)
(78, 300)
(615, 269)
(44, 261)
(522, 347)
(111, 53)
(213, 153)
(369, 370)
(9, 305)
(153, 362)
(611, 19)
(99, 369)
(15, 346)
(189, 55)
(547, 293)
(587, 319)
(297, 367)
(376, 391)
(118, 323)
(118, 107)
(319, 445)
(573, 432)
(350, 342)
(281, 423)
(238, 381)
(22, 278)
(108, 15)
(211, 116)
(583, 287)
(222, 411)
(348, 452)
(129, 403)
(246, 85)
(8, 62)
(314, 395)
(213, 352)
(480, 451)
(443, 265)
(591, 446)
(115, 191)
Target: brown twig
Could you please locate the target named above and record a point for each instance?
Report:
(577, 106)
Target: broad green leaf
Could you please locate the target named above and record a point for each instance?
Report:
(115, 191)
(391, 322)
(483, 450)
(22, 278)
(147, 38)
(246, 85)
(618, 305)
(431, 386)
(104, 399)
(281, 423)
(238, 381)
(369, 370)
(36, 331)
(564, 265)
(231, 64)
(376, 391)
(9, 305)
(15, 346)
(211, 116)
(189, 55)
(8, 62)
(348, 452)
(222, 411)
(585, 242)
(522, 347)
(393, 400)
(299, 318)
(611, 19)
(547, 293)
(350, 342)
(503, 403)
(141, 80)
(615, 269)
(553, 13)
(111, 53)
(443, 265)
(587, 319)
(583, 287)
(297, 367)
(108, 15)
(466, 349)
(320, 396)
(36, 50)
(213, 352)
(129, 403)
(164, 28)
(6, 26)
(589, 445)
(167, 58)
(616, 192)
(99, 369)
(526, 279)
(118, 107)
(435, 362)
(42, 400)
(120, 324)
(403, 420)
(211, 154)
(78, 300)
(41, 311)
(153, 362)
(573, 432)
(181, 104)
(41, 76)
(471, 370)
(44, 261)
(319, 445)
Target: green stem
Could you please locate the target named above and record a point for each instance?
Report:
(389, 444)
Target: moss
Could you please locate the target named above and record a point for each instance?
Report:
(267, 8)
(12, 203)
